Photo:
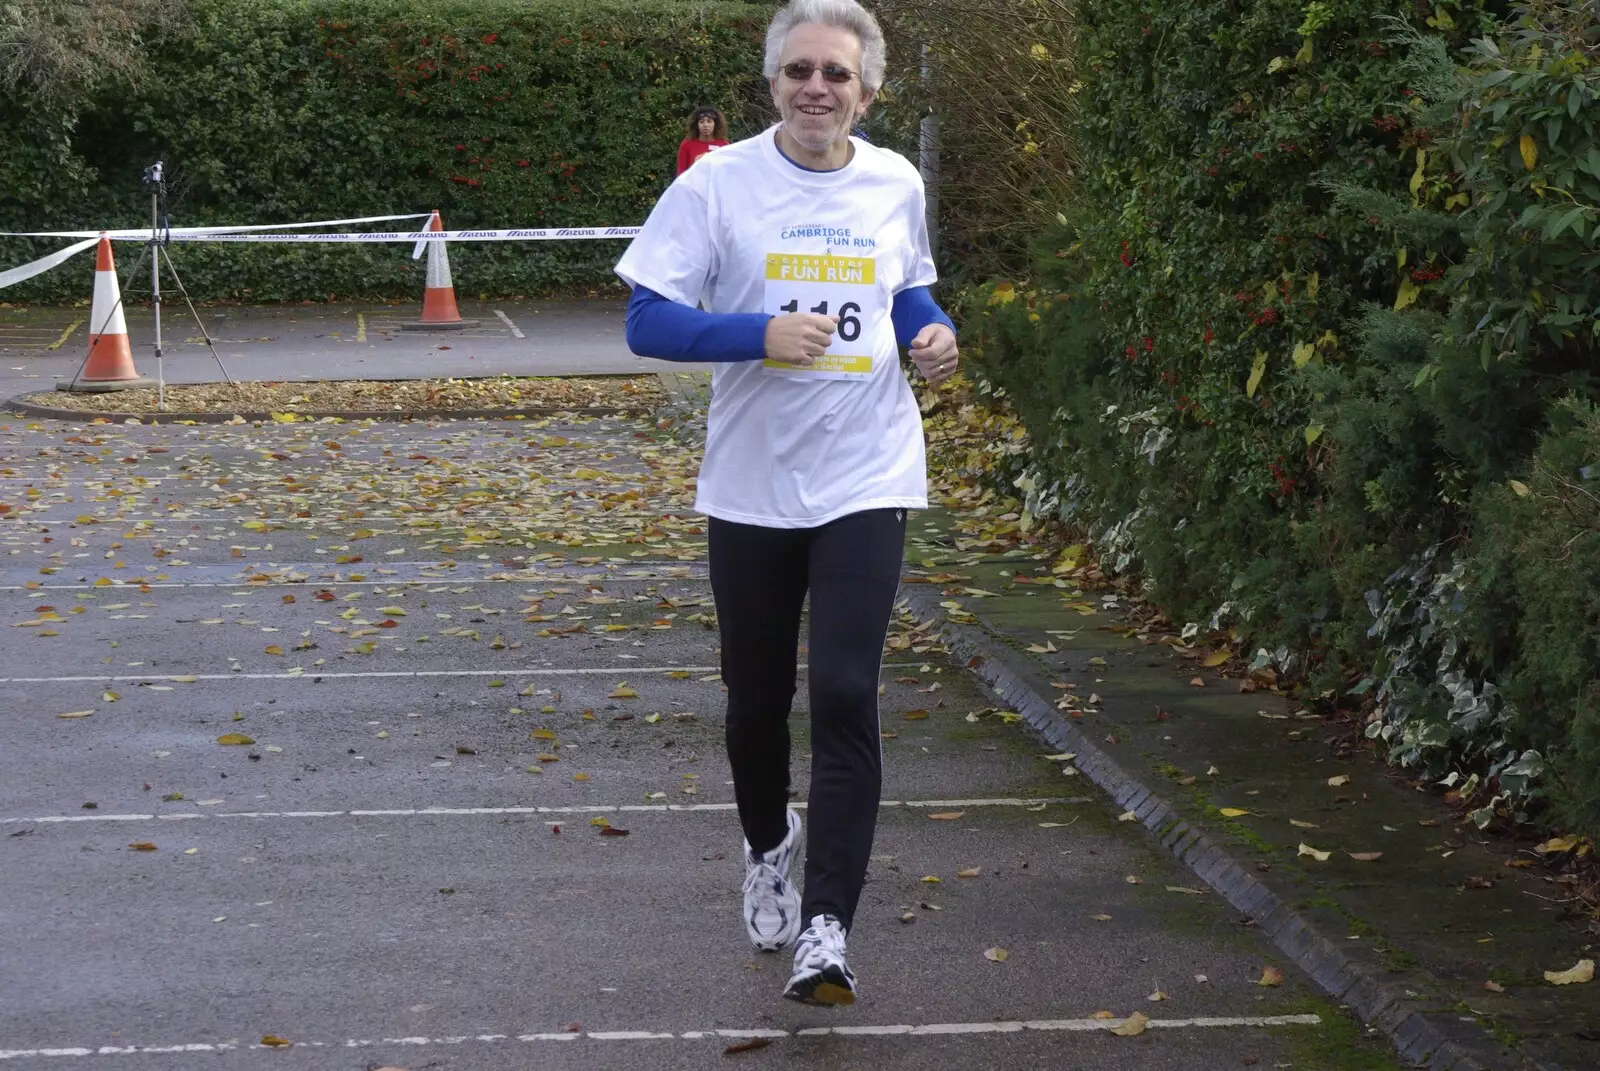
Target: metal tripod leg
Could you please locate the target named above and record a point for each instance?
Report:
(198, 322)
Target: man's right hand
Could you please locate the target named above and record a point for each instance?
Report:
(798, 338)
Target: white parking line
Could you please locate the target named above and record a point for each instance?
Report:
(516, 332)
(304, 674)
(891, 1030)
(459, 812)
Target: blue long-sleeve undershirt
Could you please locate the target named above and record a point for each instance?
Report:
(659, 327)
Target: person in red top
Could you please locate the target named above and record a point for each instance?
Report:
(707, 130)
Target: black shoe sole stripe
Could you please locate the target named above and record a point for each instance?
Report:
(829, 988)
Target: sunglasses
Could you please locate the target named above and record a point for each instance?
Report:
(802, 72)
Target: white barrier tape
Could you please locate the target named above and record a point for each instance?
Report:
(272, 232)
(43, 264)
(508, 234)
(144, 235)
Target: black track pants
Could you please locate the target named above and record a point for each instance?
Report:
(760, 576)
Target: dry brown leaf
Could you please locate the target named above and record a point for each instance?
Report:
(273, 1041)
(1493, 986)
(747, 1045)
(1365, 857)
(143, 846)
(1103, 1015)
(1270, 976)
(947, 816)
(915, 715)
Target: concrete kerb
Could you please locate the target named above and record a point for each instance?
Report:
(79, 416)
(1435, 1041)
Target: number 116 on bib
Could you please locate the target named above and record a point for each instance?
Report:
(827, 286)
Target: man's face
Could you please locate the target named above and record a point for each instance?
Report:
(817, 113)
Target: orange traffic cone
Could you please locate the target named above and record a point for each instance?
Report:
(439, 312)
(109, 365)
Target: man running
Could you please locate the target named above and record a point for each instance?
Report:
(806, 252)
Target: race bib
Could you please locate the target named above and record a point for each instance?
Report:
(845, 287)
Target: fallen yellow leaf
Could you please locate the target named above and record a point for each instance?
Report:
(1335, 782)
(1582, 971)
(1232, 812)
(947, 816)
(996, 955)
(970, 872)
(1319, 856)
(234, 739)
(275, 1042)
(76, 714)
(1216, 658)
(1132, 1026)
(1270, 976)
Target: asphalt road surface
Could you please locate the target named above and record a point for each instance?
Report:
(459, 661)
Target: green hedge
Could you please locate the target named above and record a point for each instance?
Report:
(497, 112)
(1310, 307)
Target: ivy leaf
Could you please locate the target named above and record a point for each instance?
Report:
(1257, 370)
(1407, 294)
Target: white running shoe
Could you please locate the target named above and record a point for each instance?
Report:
(821, 976)
(771, 902)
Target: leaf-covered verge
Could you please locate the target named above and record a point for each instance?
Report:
(500, 113)
(1310, 350)
(291, 400)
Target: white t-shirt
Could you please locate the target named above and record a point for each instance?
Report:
(747, 230)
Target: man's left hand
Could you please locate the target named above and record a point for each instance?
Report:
(935, 353)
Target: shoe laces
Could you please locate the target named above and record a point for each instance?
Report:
(826, 933)
(763, 875)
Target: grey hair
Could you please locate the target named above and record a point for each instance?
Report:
(845, 14)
